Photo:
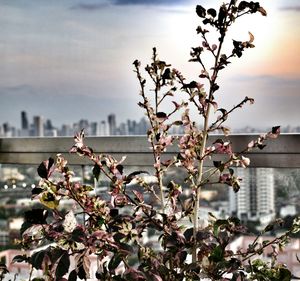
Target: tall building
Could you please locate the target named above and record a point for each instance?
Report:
(255, 199)
(24, 132)
(112, 126)
(94, 129)
(24, 121)
(38, 126)
(103, 129)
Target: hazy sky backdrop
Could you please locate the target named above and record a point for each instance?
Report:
(72, 59)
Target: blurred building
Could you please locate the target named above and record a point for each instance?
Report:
(256, 197)
(38, 126)
(112, 126)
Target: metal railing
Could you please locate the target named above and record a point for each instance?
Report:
(283, 152)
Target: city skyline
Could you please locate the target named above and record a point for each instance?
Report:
(62, 59)
(39, 126)
(111, 125)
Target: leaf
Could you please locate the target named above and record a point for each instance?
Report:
(20, 258)
(114, 262)
(36, 191)
(96, 171)
(120, 168)
(201, 12)
(275, 130)
(72, 275)
(36, 216)
(78, 235)
(139, 196)
(3, 269)
(46, 168)
(177, 123)
(161, 115)
(251, 37)
(262, 11)
(62, 265)
(217, 225)
(48, 199)
(243, 5)
(212, 12)
(284, 274)
(132, 175)
(37, 259)
(81, 272)
(217, 254)
(70, 222)
(219, 165)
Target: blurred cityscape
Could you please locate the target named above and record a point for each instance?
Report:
(41, 127)
(38, 126)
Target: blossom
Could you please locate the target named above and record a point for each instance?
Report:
(222, 147)
(244, 162)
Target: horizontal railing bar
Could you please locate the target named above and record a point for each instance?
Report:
(282, 152)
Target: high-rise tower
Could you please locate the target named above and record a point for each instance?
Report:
(112, 126)
(255, 199)
(24, 121)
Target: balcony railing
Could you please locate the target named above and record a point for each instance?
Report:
(283, 152)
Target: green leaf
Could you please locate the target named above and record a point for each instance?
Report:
(217, 254)
(217, 226)
(48, 199)
(284, 274)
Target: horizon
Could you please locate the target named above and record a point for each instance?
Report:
(73, 60)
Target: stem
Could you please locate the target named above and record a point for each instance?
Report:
(30, 274)
(202, 152)
(198, 186)
(155, 154)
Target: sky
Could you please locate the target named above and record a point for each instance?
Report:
(72, 59)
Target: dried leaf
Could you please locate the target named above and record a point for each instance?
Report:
(262, 11)
(251, 37)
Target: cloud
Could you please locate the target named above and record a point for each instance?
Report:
(269, 79)
(90, 6)
(291, 8)
(147, 2)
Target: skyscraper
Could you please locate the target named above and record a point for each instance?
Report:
(112, 126)
(38, 126)
(24, 121)
(103, 128)
(255, 199)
